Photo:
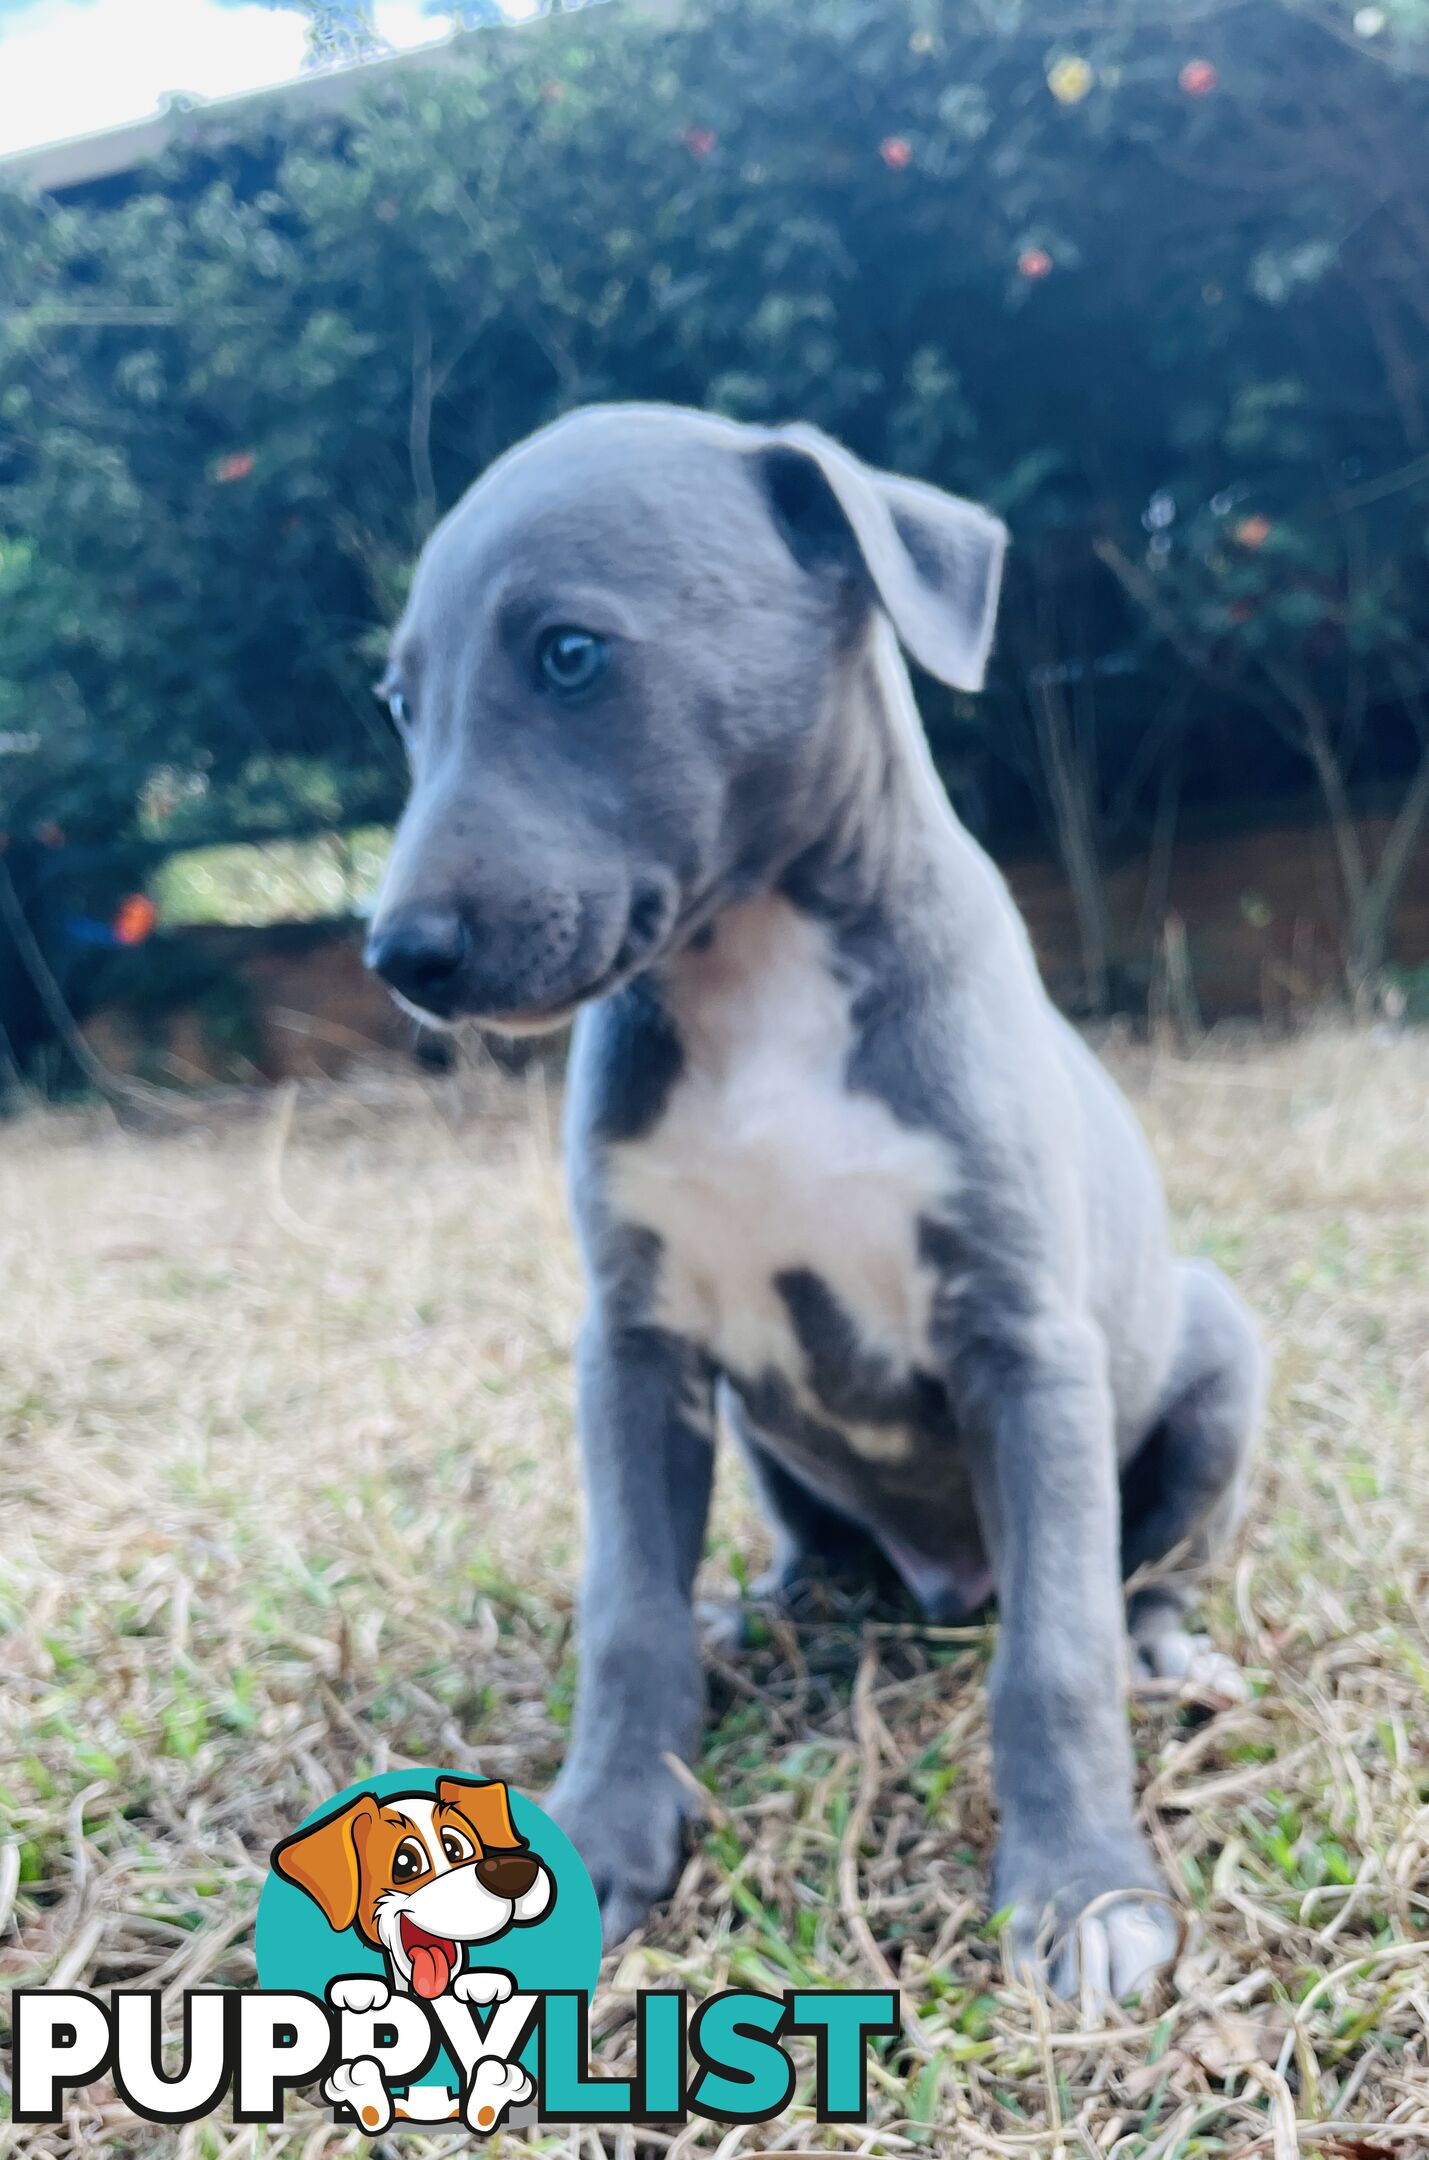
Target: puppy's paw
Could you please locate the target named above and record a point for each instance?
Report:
(359, 1991)
(725, 1625)
(1193, 1662)
(630, 1833)
(1112, 1950)
(358, 2085)
(1095, 1926)
(495, 2086)
(482, 1987)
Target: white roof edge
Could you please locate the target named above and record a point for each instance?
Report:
(79, 158)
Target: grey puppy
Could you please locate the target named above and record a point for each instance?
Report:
(838, 1167)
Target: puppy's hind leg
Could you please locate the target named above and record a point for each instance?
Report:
(1183, 1492)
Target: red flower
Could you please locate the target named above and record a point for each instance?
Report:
(1034, 263)
(135, 920)
(1253, 532)
(896, 152)
(236, 466)
(1198, 78)
(699, 141)
(553, 92)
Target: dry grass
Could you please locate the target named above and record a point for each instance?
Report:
(290, 1488)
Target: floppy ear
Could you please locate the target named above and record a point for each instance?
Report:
(486, 1805)
(325, 1860)
(934, 561)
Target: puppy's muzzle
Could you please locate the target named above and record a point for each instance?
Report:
(506, 1875)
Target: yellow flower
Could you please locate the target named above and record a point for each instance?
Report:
(1070, 79)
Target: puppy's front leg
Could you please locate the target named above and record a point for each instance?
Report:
(1062, 1751)
(646, 1405)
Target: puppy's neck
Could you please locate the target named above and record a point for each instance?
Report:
(885, 853)
(882, 863)
(883, 824)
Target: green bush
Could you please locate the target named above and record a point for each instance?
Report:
(1157, 288)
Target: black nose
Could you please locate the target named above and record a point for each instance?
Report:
(507, 1875)
(420, 952)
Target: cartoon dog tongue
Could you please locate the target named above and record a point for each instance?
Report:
(433, 1962)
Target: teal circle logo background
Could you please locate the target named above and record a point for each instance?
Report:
(296, 1949)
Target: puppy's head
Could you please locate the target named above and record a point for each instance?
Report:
(617, 683)
(421, 1875)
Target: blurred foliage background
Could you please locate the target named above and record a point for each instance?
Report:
(1149, 276)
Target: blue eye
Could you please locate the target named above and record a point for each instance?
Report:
(397, 706)
(569, 659)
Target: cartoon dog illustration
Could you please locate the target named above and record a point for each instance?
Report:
(422, 1877)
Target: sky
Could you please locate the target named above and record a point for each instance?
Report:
(69, 67)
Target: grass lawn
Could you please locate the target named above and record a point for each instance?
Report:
(290, 1494)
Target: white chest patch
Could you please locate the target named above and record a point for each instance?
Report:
(764, 1162)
